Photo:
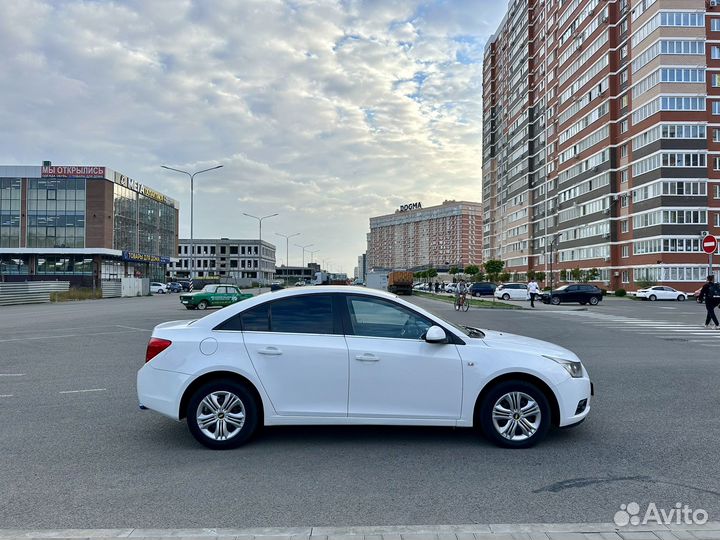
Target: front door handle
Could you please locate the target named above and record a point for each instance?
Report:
(367, 357)
(270, 351)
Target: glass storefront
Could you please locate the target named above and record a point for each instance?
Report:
(125, 223)
(66, 265)
(14, 265)
(56, 212)
(10, 192)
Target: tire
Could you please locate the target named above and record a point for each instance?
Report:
(680, 298)
(652, 297)
(594, 301)
(466, 304)
(500, 399)
(244, 414)
(202, 305)
(555, 300)
(506, 296)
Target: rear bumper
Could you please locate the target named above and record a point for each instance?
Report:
(160, 390)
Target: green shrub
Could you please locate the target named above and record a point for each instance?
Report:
(76, 294)
(620, 292)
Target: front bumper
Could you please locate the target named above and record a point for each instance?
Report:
(570, 393)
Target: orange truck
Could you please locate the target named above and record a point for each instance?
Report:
(400, 282)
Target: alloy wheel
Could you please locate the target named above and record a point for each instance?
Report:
(220, 415)
(516, 416)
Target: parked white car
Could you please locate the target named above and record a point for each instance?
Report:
(661, 292)
(349, 356)
(158, 288)
(512, 291)
(451, 288)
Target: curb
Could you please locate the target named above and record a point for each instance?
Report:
(551, 531)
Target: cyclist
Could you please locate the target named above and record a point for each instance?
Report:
(460, 294)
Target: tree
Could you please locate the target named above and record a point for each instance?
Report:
(493, 267)
(505, 276)
(540, 276)
(453, 270)
(472, 270)
(645, 283)
(591, 275)
(563, 275)
(431, 273)
(480, 276)
(576, 273)
(531, 275)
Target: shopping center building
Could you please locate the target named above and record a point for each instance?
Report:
(82, 224)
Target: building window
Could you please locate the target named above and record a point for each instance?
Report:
(625, 251)
(624, 226)
(716, 107)
(715, 80)
(716, 167)
(623, 151)
(715, 25)
(716, 192)
(624, 126)
(624, 175)
(626, 277)
(624, 201)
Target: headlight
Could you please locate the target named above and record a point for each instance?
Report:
(573, 367)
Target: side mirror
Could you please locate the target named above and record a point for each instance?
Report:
(435, 334)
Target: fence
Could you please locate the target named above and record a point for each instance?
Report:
(30, 292)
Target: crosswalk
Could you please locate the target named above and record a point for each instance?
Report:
(670, 331)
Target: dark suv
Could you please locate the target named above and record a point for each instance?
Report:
(482, 288)
(581, 293)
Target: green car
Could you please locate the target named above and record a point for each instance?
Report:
(213, 295)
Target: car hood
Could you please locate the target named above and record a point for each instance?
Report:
(503, 340)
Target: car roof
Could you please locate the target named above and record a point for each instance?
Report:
(213, 319)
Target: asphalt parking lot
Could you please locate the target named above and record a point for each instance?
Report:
(76, 452)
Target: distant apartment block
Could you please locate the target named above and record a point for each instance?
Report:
(416, 237)
(601, 138)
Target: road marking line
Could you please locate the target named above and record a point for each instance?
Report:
(133, 328)
(66, 336)
(12, 374)
(6, 395)
(83, 391)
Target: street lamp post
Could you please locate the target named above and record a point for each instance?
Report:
(287, 238)
(260, 220)
(303, 252)
(192, 190)
(312, 254)
(552, 244)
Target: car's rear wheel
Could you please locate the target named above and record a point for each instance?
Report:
(506, 296)
(515, 414)
(222, 414)
(202, 304)
(555, 300)
(681, 298)
(652, 297)
(594, 300)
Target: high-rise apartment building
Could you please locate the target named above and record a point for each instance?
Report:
(602, 138)
(449, 234)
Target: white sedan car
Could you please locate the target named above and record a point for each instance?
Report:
(158, 288)
(352, 356)
(661, 292)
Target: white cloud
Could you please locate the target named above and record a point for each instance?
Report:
(327, 112)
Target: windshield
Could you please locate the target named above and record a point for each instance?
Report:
(469, 331)
(562, 288)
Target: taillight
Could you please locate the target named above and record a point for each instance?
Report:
(155, 347)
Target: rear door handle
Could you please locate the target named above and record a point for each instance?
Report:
(367, 357)
(270, 351)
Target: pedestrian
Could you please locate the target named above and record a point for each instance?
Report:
(437, 287)
(710, 294)
(533, 289)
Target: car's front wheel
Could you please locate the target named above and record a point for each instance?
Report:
(222, 414)
(555, 300)
(652, 297)
(506, 296)
(515, 414)
(203, 305)
(681, 298)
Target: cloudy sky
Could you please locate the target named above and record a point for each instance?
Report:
(326, 112)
